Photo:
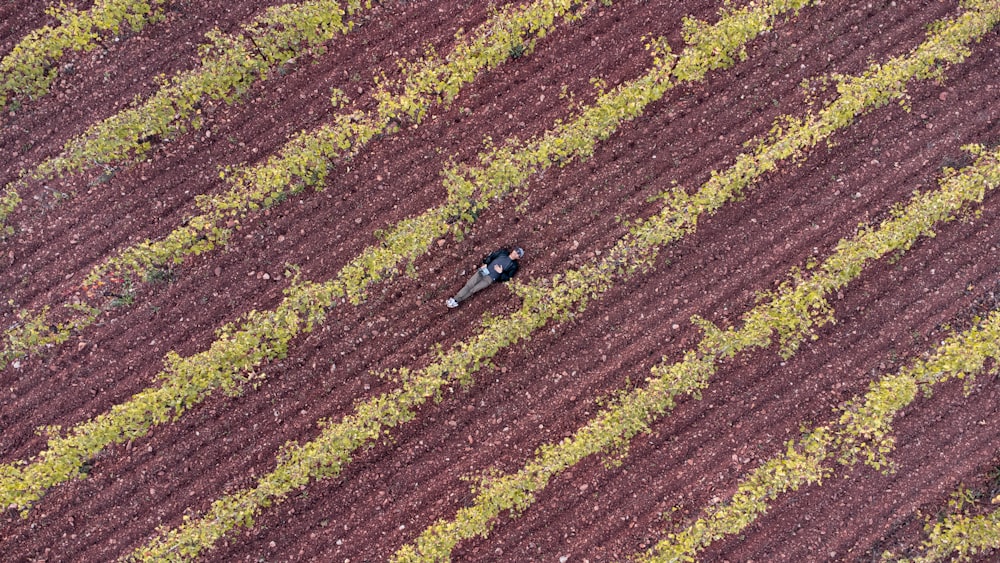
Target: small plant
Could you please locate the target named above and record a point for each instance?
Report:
(963, 529)
(8, 202)
(125, 296)
(159, 275)
(789, 315)
(35, 331)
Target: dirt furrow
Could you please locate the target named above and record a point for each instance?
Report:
(17, 19)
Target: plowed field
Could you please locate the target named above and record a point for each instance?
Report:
(537, 391)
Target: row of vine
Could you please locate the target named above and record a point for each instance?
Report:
(306, 159)
(863, 431)
(959, 535)
(326, 455)
(792, 316)
(230, 64)
(32, 65)
(264, 336)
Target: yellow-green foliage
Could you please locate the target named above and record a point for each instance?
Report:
(32, 65)
(796, 307)
(306, 160)
(305, 304)
(470, 189)
(556, 299)
(8, 203)
(332, 450)
(791, 312)
(431, 80)
(862, 431)
(230, 64)
(302, 162)
(35, 332)
(424, 83)
(958, 537)
(261, 336)
(719, 45)
(185, 382)
(800, 465)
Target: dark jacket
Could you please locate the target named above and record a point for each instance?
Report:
(509, 266)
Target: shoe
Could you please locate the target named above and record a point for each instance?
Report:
(451, 303)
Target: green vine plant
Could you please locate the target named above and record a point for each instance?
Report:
(559, 298)
(33, 64)
(36, 332)
(229, 65)
(325, 456)
(262, 336)
(306, 160)
(965, 528)
(8, 203)
(958, 537)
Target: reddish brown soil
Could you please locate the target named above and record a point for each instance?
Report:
(540, 391)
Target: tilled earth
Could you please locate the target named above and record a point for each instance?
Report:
(540, 391)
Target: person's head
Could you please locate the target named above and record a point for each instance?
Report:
(517, 253)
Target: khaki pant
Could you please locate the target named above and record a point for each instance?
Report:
(478, 282)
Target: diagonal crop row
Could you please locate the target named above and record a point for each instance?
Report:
(263, 336)
(958, 537)
(790, 317)
(306, 160)
(230, 64)
(32, 65)
(863, 431)
(325, 456)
